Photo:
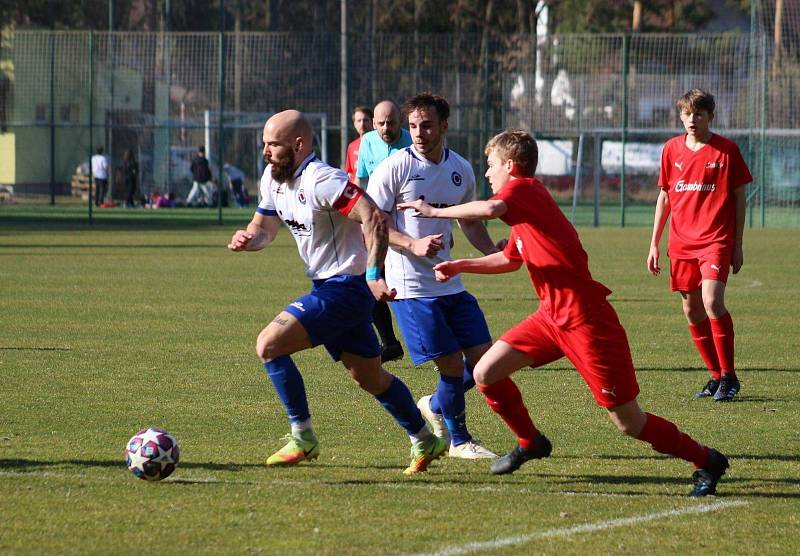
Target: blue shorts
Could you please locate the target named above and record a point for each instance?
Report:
(337, 313)
(437, 326)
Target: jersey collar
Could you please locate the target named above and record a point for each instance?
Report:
(413, 152)
(310, 158)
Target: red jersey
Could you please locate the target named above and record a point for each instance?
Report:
(351, 160)
(542, 238)
(700, 186)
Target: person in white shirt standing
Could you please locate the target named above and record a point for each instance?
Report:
(100, 175)
(440, 322)
(322, 210)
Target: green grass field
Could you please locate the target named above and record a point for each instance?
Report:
(144, 320)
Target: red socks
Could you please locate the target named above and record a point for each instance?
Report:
(505, 399)
(704, 341)
(722, 331)
(665, 438)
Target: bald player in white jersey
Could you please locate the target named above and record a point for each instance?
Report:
(440, 322)
(323, 211)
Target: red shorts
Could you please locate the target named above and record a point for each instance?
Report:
(598, 348)
(687, 275)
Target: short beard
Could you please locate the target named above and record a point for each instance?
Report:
(282, 171)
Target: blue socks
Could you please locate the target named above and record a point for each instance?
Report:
(468, 382)
(450, 393)
(399, 402)
(290, 387)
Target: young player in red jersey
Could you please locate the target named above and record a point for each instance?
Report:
(574, 318)
(702, 178)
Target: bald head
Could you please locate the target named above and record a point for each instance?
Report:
(386, 121)
(292, 127)
(288, 140)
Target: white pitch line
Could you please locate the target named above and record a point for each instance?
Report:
(585, 528)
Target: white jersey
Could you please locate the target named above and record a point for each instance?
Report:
(407, 176)
(100, 166)
(329, 243)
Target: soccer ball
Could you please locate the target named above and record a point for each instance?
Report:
(152, 454)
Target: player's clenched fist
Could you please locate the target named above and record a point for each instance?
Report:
(445, 270)
(240, 240)
(427, 246)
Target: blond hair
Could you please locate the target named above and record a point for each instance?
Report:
(519, 147)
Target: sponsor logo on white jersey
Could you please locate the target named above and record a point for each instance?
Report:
(683, 186)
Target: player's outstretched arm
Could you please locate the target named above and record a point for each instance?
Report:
(737, 257)
(496, 263)
(474, 210)
(660, 218)
(260, 232)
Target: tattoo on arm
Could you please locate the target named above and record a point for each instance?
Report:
(280, 321)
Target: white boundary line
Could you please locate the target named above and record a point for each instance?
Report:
(585, 528)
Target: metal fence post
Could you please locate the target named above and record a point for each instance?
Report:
(762, 171)
(484, 135)
(220, 140)
(625, 47)
(752, 104)
(91, 119)
(52, 115)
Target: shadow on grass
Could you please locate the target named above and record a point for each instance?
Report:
(20, 348)
(23, 465)
(17, 247)
(567, 367)
(76, 218)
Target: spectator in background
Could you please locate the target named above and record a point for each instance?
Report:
(155, 199)
(100, 176)
(236, 182)
(201, 176)
(130, 177)
(362, 122)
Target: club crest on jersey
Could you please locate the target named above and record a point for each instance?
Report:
(456, 177)
(301, 196)
(350, 191)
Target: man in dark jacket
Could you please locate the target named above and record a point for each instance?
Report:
(201, 176)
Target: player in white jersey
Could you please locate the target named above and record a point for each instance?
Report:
(440, 322)
(323, 212)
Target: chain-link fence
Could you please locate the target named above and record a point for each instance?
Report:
(600, 105)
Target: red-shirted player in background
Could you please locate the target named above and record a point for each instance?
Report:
(362, 122)
(574, 318)
(702, 178)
